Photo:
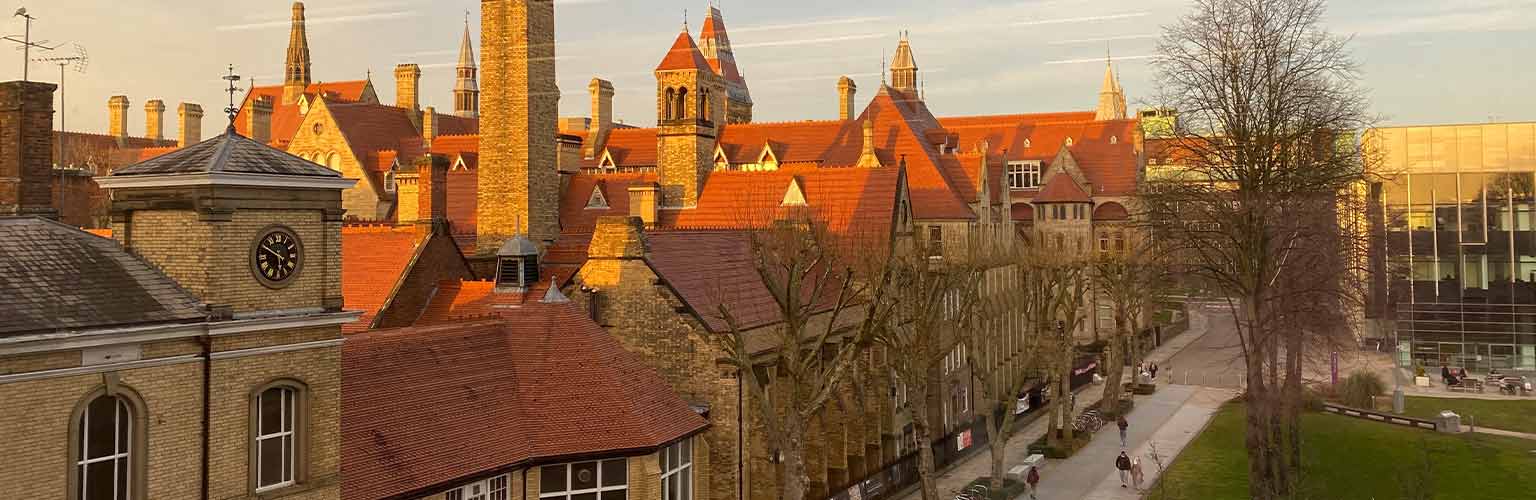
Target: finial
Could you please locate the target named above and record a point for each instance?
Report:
(231, 110)
(685, 20)
(466, 19)
(882, 67)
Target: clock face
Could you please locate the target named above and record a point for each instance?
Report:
(276, 257)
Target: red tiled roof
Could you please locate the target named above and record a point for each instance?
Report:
(684, 54)
(457, 300)
(1110, 211)
(861, 200)
(424, 406)
(372, 262)
(903, 120)
(1110, 167)
(286, 117)
(1022, 212)
(104, 233)
(710, 268)
(574, 214)
(147, 153)
(1062, 189)
(370, 128)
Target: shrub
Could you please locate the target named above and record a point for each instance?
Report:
(1011, 488)
(1312, 399)
(1361, 388)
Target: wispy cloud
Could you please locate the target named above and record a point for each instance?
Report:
(1087, 19)
(808, 41)
(313, 12)
(444, 52)
(1103, 39)
(1100, 59)
(808, 24)
(831, 77)
(404, 14)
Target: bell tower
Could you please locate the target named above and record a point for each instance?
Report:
(466, 89)
(689, 107)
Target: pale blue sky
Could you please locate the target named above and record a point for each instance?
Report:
(1426, 61)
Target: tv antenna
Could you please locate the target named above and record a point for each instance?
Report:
(26, 43)
(79, 61)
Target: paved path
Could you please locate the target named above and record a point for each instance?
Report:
(1178, 428)
(1213, 360)
(979, 463)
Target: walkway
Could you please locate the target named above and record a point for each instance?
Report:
(1179, 426)
(1165, 402)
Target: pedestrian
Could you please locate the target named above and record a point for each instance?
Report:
(1034, 480)
(1136, 476)
(1120, 421)
(1154, 371)
(1123, 464)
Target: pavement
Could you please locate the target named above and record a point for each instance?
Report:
(1169, 418)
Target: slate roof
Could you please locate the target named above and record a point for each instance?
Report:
(229, 152)
(426, 405)
(54, 277)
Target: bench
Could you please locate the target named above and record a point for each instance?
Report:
(1468, 385)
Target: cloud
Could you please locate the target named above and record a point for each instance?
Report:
(1088, 19)
(808, 24)
(1103, 39)
(807, 41)
(444, 52)
(1100, 59)
(404, 14)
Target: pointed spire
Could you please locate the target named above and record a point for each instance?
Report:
(466, 88)
(1111, 96)
(904, 66)
(296, 69)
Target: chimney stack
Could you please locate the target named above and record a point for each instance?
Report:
(423, 195)
(602, 117)
(407, 81)
(154, 119)
(117, 111)
(428, 126)
(643, 202)
(189, 119)
(519, 186)
(26, 149)
(845, 92)
(867, 157)
(260, 119)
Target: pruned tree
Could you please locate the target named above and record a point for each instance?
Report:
(1127, 279)
(1054, 291)
(1265, 176)
(1003, 356)
(827, 312)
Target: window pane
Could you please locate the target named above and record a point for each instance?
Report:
(270, 471)
(288, 457)
(687, 480)
(270, 410)
(614, 473)
(687, 451)
(101, 426)
(123, 420)
(552, 478)
(454, 495)
(122, 478)
(584, 496)
(671, 488)
(99, 481)
(583, 476)
(615, 495)
(288, 409)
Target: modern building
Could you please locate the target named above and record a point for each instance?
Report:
(1455, 254)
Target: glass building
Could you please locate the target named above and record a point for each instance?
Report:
(1456, 254)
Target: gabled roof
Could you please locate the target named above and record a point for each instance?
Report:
(683, 55)
(229, 152)
(460, 300)
(370, 128)
(1062, 189)
(373, 259)
(55, 278)
(286, 117)
(423, 406)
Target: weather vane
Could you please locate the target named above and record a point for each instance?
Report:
(232, 110)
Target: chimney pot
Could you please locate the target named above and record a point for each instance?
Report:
(407, 83)
(189, 118)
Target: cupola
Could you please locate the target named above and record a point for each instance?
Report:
(517, 265)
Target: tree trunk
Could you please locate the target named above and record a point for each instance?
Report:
(997, 436)
(1114, 374)
(1068, 409)
(1257, 421)
(1295, 349)
(796, 482)
(922, 427)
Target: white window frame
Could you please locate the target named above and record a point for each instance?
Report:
(677, 462)
(485, 489)
(598, 481)
(121, 411)
(286, 434)
(1023, 175)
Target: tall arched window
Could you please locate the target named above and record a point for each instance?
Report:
(669, 102)
(682, 103)
(334, 161)
(279, 416)
(705, 110)
(106, 455)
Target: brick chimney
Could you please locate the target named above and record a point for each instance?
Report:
(26, 149)
(845, 92)
(428, 126)
(189, 121)
(432, 195)
(407, 85)
(618, 237)
(117, 116)
(602, 117)
(260, 119)
(154, 119)
(643, 202)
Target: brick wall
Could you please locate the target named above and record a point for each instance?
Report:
(518, 182)
(26, 148)
(361, 200)
(438, 260)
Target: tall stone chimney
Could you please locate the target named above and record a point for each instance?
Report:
(117, 116)
(428, 126)
(26, 149)
(845, 92)
(407, 83)
(189, 123)
(154, 119)
(602, 117)
(518, 182)
(260, 117)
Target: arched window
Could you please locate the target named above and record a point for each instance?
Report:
(279, 417)
(107, 451)
(682, 103)
(670, 101)
(706, 110)
(389, 181)
(334, 161)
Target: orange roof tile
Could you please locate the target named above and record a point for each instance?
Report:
(683, 55)
(1022, 212)
(457, 300)
(1110, 211)
(424, 406)
(373, 259)
(286, 117)
(1062, 189)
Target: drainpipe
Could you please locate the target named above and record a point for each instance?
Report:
(207, 403)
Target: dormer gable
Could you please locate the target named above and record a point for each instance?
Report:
(794, 195)
(767, 160)
(458, 164)
(721, 161)
(597, 200)
(606, 161)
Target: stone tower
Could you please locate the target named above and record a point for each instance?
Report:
(688, 107)
(519, 184)
(716, 47)
(1111, 96)
(296, 74)
(466, 90)
(904, 67)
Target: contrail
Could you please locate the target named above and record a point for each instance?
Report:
(807, 24)
(1100, 59)
(808, 41)
(1104, 39)
(1082, 19)
(356, 8)
(326, 20)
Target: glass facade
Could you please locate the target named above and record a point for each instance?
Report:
(1459, 223)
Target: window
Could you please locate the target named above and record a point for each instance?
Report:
(274, 438)
(104, 463)
(1114, 139)
(334, 161)
(389, 181)
(1023, 175)
(598, 480)
(677, 471)
(597, 200)
(1069, 141)
(935, 241)
(490, 489)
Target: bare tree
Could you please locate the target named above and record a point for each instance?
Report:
(1127, 279)
(827, 312)
(1054, 292)
(1266, 169)
(1003, 356)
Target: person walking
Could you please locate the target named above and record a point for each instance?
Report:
(1136, 475)
(1034, 481)
(1123, 464)
(1120, 421)
(1154, 371)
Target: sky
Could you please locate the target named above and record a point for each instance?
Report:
(1424, 61)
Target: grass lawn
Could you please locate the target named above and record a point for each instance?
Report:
(1509, 415)
(1349, 458)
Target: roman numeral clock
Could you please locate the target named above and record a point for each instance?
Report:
(277, 256)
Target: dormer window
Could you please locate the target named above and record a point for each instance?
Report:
(1069, 141)
(606, 162)
(1026, 143)
(596, 200)
(458, 164)
(721, 161)
(795, 195)
(517, 265)
(766, 160)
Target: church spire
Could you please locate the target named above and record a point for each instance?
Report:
(904, 67)
(466, 90)
(715, 44)
(296, 76)
(1111, 96)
